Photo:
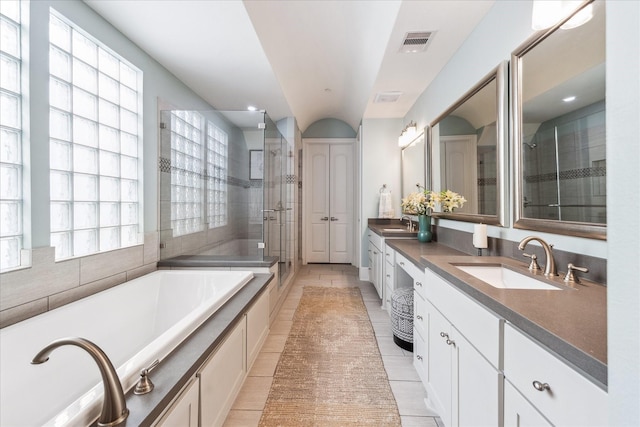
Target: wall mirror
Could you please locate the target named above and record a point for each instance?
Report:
(558, 81)
(470, 152)
(413, 165)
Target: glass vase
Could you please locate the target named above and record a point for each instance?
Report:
(424, 228)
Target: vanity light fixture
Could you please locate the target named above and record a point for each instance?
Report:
(408, 134)
(547, 13)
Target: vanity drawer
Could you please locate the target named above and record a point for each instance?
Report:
(375, 239)
(416, 273)
(389, 256)
(571, 399)
(480, 326)
(420, 317)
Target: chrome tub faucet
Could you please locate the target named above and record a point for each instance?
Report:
(114, 407)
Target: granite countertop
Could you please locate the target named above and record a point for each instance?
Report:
(383, 226)
(571, 322)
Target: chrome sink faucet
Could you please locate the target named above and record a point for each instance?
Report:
(410, 225)
(550, 266)
(114, 407)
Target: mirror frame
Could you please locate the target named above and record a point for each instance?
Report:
(499, 73)
(426, 149)
(571, 228)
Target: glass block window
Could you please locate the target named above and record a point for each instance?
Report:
(217, 166)
(11, 195)
(187, 198)
(95, 133)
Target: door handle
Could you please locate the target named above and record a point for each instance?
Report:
(333, 218)
(324, 218)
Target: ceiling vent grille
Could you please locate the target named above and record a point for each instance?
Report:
(416, 42)
(382, 97)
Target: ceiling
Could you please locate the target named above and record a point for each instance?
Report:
(312, 60)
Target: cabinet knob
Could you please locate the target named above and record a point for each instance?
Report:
(419, 317)
(418, 357)
(402, 263)
(389, 276)
(418, 284)
(541, 386)
(451, 342)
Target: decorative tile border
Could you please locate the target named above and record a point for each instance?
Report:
(570, 174)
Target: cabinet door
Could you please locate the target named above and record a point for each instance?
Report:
(518, 412)
(257, 327)
(439, 364)
(477, 386)
(184, 411)
(221, 377)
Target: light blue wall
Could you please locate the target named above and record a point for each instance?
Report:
(329, 128)
(501, 31)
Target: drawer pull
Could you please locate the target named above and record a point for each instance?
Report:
(418, 284)
(387, 254)
(388, 275)
(418, 317)
(541, 386)
(444, 335)
(451, 342)
(402, 263)
(418, 357)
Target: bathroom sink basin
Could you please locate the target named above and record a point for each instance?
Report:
(504, 278)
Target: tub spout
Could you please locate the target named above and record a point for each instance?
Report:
(114, 408)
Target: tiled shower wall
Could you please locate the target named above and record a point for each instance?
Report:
(564, 164)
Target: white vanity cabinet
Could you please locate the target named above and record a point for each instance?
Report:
(389, 275)
(552, 390)
(464, 380)
(184, 409)
(376, 263)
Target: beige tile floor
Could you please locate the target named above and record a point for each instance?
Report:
(404, 381)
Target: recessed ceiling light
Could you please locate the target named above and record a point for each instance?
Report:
(569, 98)
(252, 108)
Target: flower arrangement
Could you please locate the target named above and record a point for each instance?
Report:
(423, 202)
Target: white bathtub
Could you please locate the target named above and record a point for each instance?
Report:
(134, 323)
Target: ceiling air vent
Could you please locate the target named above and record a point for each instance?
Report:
(416, 42)
(387, 97)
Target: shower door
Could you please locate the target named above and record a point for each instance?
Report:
(275, 198)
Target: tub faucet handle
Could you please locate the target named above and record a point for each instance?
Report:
(145, 385)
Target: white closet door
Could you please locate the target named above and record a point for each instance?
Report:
(458, 156)
(328, 207)
(340, 203)
(317, 217)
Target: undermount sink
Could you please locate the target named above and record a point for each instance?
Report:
(504, 278)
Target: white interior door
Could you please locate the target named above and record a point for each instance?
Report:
(317, 215)
(328, 206)
(340, 203)
(459, 171)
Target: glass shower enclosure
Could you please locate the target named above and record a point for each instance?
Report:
(222, 191)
